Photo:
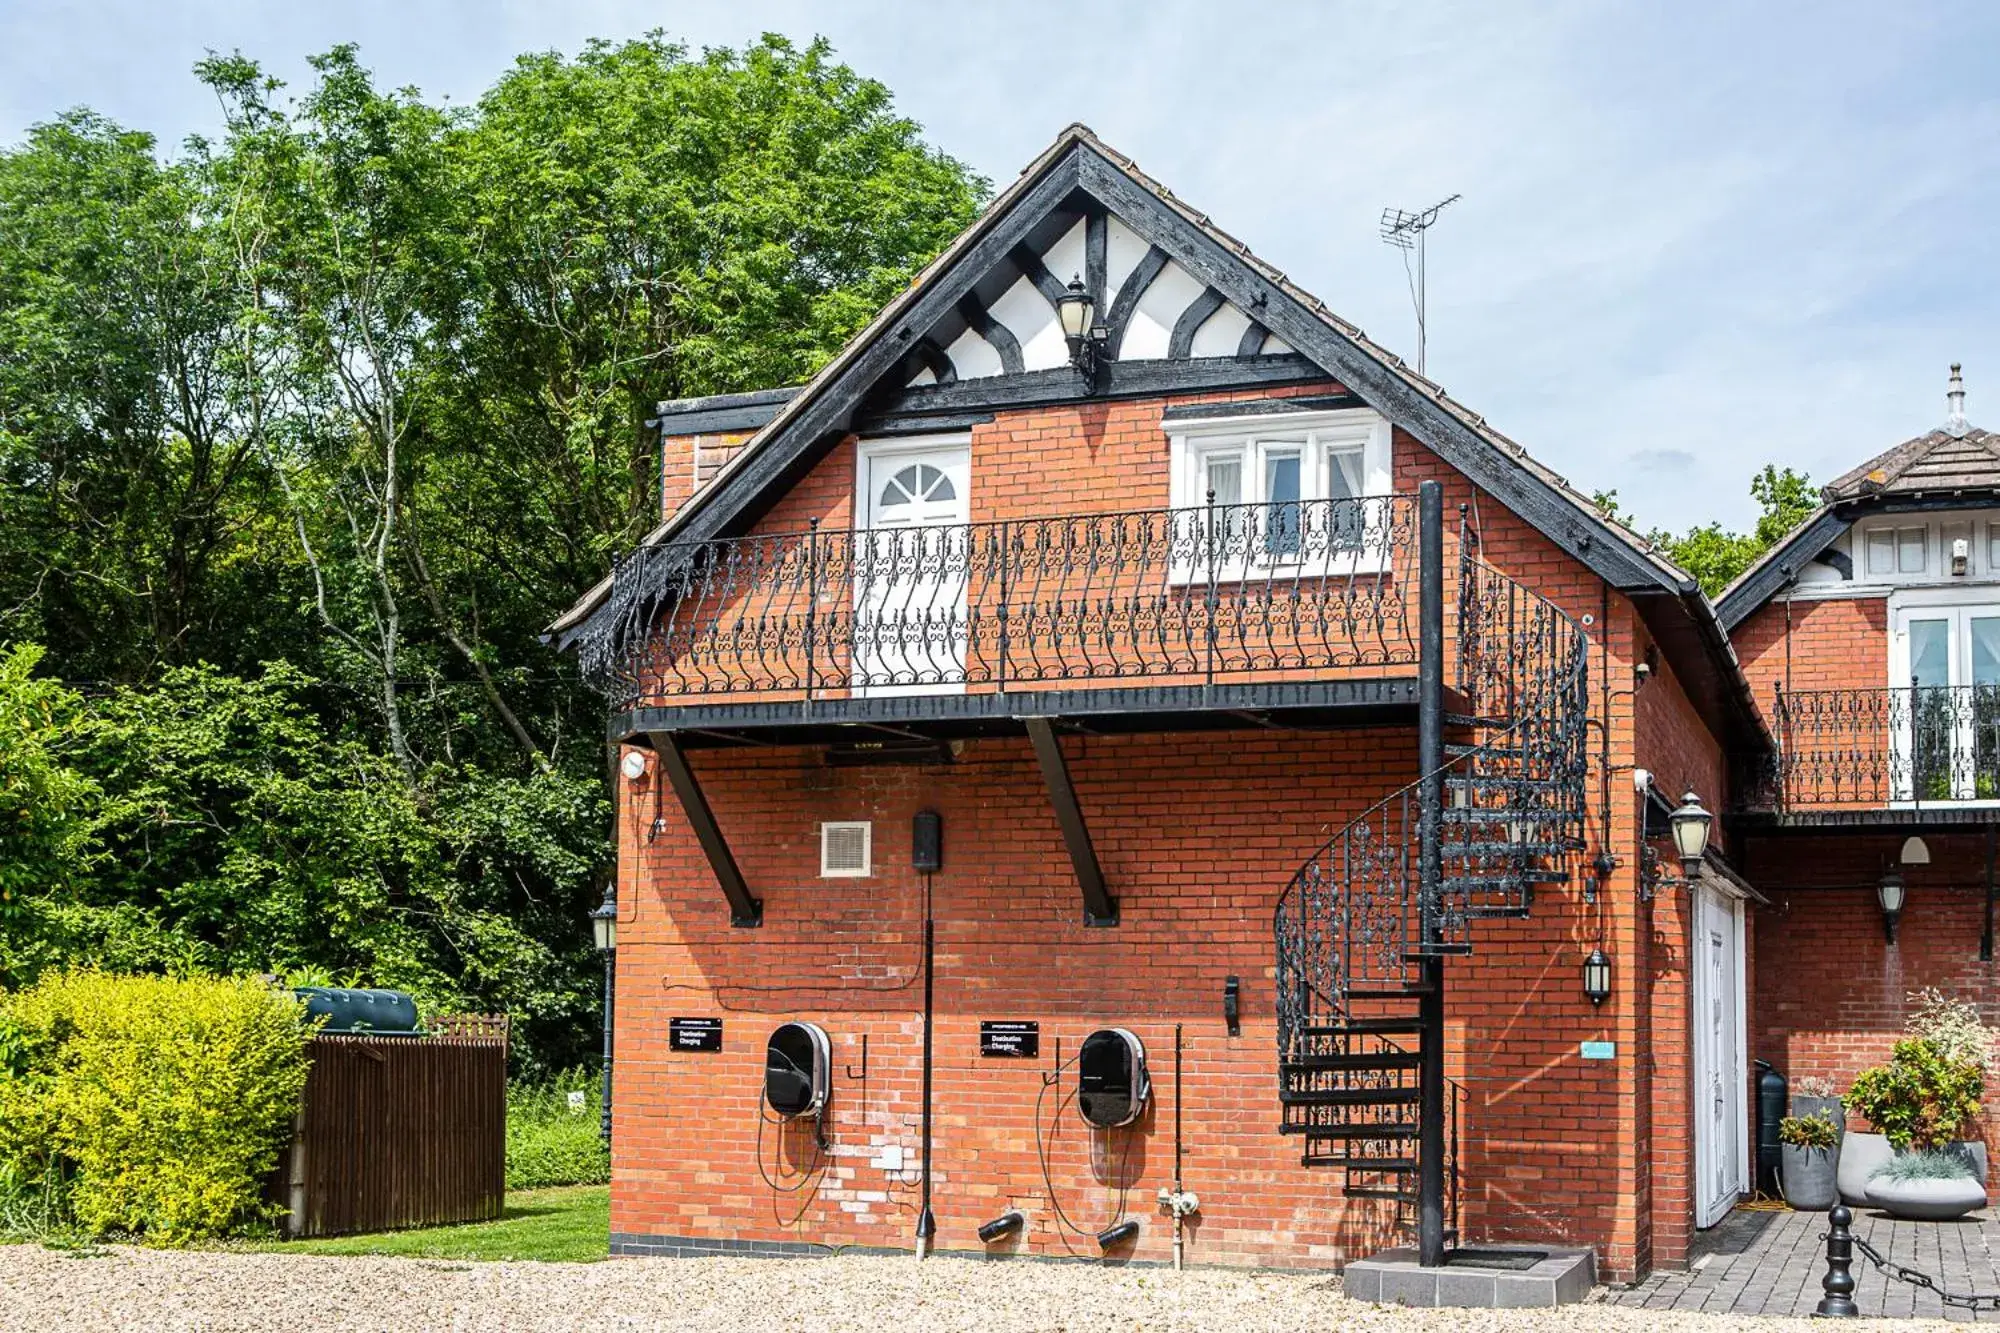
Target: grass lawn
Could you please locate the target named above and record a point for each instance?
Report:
(571, 1224)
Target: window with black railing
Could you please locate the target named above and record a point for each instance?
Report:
(1893, 746)
(1157, 596)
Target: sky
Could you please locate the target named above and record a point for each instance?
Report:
(1691, 238)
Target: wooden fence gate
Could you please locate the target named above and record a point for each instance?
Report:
(399, 1131)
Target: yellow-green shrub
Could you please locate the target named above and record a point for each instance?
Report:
(164, 1100)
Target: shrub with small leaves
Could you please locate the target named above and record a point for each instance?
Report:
(1922, 1098)
(1953, 1027)
(163, 1102)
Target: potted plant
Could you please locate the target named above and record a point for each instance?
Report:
(1932, 1185)
(1920, 1103)
(1806, 1145)
(1815, 1096)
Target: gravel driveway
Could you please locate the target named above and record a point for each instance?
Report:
(44, 1291)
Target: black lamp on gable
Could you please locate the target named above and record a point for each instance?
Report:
(1077, 314)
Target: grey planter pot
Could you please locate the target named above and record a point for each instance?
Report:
(1808, 1176)
(1861, 1156)
(1829, 1107)
(1927, 1200)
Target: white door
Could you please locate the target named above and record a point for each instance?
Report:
(1945, 665)
(910, 569)
(1721, 1080)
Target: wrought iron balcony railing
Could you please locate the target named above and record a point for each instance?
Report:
(1861, 749)
(1156, 596)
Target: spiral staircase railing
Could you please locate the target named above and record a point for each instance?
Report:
(1361, 931)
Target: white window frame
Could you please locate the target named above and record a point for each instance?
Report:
(867, 827)
(1314, 435)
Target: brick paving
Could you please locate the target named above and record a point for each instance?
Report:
(1770, 1263)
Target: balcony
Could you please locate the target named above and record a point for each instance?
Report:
(1893, 755)
(1225, 612)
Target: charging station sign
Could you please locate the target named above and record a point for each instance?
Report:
(695, 1034)
(1010, 1040)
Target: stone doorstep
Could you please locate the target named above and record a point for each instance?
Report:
(1394, 1277)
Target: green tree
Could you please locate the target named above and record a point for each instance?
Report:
(46, 806)
(1713, 554)
(130, 528)
(358, 389)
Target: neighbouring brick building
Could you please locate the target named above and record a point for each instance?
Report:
(1871, 637)
(1148, 652)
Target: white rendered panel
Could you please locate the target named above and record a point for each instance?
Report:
(1273, 345)
(1152, 325)
(1123, 249)
(973, 357)
(1065, 258)
(1033, 321)
(1220, 333)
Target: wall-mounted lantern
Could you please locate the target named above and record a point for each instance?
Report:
(1597, 976)
(1076, 312)
(1890, 894)
(1691, 824)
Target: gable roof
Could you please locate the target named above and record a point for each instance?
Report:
(1078, 163)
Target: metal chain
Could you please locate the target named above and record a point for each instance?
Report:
(1924, 1280)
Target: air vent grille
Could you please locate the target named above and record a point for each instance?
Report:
(845, 848)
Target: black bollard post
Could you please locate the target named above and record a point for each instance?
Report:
(1838, 1303)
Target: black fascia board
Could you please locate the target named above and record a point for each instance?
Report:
(1782, 566)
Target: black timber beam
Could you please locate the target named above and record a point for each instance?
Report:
(744, 910)
(1119, 379)
(1099, 907)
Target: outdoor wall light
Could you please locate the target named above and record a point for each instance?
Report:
(1916, 852)
(1890, 894)
(1076, 312)
(1597, 976)
(633, 765)
(1691, 824)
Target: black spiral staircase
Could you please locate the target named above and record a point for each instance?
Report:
(1364, 927)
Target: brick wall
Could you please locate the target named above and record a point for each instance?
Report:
(1838, 644)
(1832, 994)
(1198, 834)
(690, 462)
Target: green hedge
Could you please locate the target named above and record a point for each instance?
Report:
(157, 1105)
(551, 1143)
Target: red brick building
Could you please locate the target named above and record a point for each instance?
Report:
(1872, 639)
(1206, 676)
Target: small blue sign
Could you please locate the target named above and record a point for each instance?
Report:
(1600, 1050)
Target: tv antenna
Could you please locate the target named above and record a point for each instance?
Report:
(1406, 232)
